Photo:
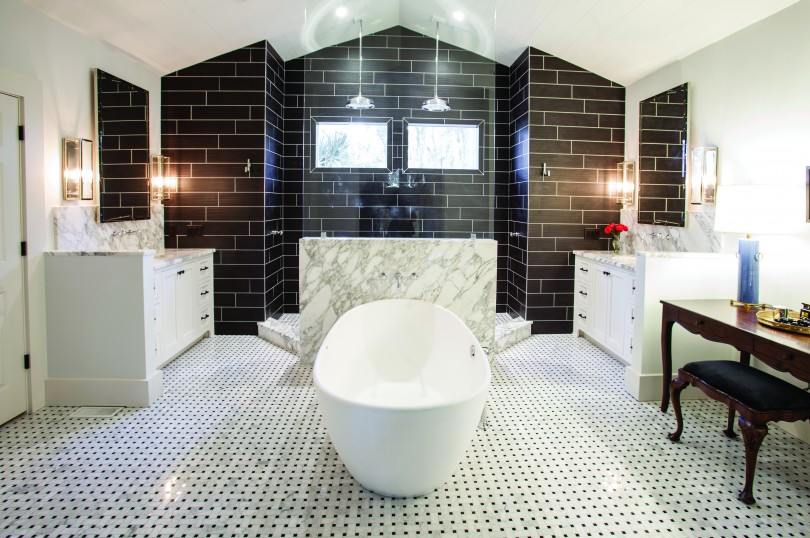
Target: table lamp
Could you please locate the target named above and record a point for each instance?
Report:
(757, 209)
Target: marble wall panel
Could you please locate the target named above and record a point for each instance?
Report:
(337, 274)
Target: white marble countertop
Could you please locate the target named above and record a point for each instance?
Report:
(173, 256)
(163, 258)
(623, 261)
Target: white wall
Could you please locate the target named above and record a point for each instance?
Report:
(749, 95)
(50, 66)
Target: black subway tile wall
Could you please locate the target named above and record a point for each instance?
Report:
(398, 74)
(123, 123)
(222, 128)
(570, 123)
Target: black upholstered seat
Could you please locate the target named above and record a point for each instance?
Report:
(757, 389)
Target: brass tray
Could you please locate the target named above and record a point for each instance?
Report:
(766, 317)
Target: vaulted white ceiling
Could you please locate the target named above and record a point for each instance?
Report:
(623, 40)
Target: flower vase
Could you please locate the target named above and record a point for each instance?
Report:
(616, 246)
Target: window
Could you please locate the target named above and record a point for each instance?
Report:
(443, 146)
(360, 144)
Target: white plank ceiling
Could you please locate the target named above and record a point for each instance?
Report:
(623, 40)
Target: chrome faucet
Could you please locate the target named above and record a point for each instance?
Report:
(398, 276)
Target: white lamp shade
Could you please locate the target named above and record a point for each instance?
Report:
(760, 209)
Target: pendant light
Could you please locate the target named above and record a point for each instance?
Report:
(436, 104)
(359, 102)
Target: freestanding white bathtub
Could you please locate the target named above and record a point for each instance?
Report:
(402, 385)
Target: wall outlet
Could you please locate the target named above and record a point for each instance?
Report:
(592, 233)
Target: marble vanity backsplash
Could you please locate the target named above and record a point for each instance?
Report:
(697, 236)
(76, 227)
(338, 274)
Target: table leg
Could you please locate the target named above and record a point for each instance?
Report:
(666, 360)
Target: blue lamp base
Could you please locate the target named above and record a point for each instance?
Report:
(748, 275)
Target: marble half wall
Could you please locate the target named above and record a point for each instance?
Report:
(76, 227)
(337, 274)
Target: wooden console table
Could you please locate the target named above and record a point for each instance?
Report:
(718, 321)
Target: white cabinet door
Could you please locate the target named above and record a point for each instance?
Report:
(616, 313)
(176, 308)
(600, 303)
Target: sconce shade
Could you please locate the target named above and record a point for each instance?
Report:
(625, 186)
(77, 169)
(704, 175)
(163, 184)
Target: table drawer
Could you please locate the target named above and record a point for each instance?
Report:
(701, 324)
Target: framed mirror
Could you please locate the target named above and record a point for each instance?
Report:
(662, 158)
(122, 118)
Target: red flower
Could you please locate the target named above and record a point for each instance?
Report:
(615, 229)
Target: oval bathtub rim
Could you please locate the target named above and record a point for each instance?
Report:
(483, 388)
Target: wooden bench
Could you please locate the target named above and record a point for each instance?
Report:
(757, 396)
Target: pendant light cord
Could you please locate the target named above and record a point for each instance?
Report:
(360, 82)
(436, 80)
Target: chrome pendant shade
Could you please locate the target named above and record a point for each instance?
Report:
(359, 101)
(436, 103)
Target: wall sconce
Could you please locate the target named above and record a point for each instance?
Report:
(163, 183)
(625, 185)
(77, 169)
(704, 175)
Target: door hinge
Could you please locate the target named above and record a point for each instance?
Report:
(21, 132)
(23, 248)
(27, 361)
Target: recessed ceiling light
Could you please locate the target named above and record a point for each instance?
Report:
(458, 15)
(341, 11)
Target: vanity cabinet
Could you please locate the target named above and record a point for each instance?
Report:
(604, 305)
(184, 306)
(115, 317)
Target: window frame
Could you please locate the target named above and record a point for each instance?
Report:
(480, 124)
(389, 153)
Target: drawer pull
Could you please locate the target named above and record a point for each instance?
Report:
(182, 271)
(788, 357)
(583, 269)
(204, 268)
(206, 292)
(699, 322)
(583, 293)
(583, 317)
(205, 317)
(606, 273)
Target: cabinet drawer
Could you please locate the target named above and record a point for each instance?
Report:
(205, 316)
(206, 269)
(699, 324)
(205, 291)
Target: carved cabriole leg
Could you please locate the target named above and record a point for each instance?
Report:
(675, 389)
(752, 437)
(729, 431)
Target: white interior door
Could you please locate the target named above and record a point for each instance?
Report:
(12, 327)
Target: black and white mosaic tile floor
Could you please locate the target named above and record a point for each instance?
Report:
(236, 447)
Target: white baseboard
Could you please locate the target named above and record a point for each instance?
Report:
(104, 392)
(647, 387)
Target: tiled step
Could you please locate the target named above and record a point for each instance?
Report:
(284, 332)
